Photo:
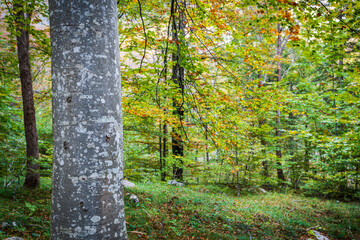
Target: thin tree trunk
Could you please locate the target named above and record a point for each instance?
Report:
(178, 149)
(87, 190)
(280, 172)
(160, 151)
(237, 172)
(206, 145)
(178, 78)
(263, 143)
(32, 178)
(307, 156)
(262, 121)
(221, 165)
(164, 131)
(164, 152)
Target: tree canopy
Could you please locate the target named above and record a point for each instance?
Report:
(256, 93)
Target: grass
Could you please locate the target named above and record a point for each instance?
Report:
(204, 212)
(197, 212)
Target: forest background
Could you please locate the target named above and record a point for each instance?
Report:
(247, 95)
(240, 93)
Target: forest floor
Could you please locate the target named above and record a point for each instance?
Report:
(196, 212)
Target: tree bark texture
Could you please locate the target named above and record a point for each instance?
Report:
(32, 178)
(178, 78)
(87, 194)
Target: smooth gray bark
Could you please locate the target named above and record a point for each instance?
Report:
(87, 194)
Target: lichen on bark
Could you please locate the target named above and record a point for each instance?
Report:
(87, 197)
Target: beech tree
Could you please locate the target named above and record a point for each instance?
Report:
(18, 17)
(87, 194)
(178, 26)
(23, 18)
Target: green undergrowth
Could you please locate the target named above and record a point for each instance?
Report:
(27, 212)
(195, 212)
(204, 212)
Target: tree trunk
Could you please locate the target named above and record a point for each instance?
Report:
(178, 149)
(262, 121)
(178, 78)
(280, 172)
(307, 156)
(206, 145)
(237, 172)
(32, 178)
(87, 193)
(160, 151)
(164, 152)
(263, 143)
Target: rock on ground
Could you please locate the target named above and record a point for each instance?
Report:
(262, 190)
(176, 183)
(5, 225)
(128, 184)
(318, 235)
(134, 198)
